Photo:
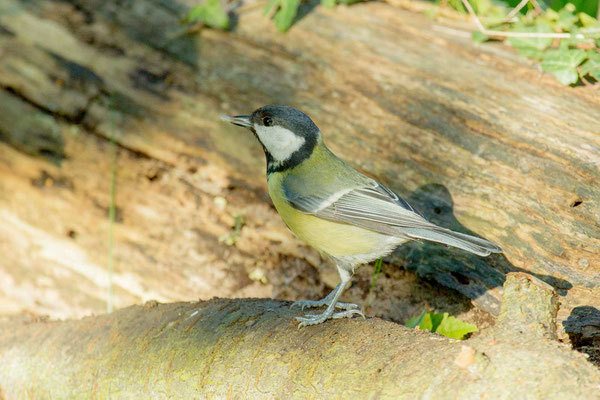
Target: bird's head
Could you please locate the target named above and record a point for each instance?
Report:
(288, 136)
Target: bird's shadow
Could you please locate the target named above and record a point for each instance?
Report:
(479, 278)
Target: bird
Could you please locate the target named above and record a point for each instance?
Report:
(348, 217)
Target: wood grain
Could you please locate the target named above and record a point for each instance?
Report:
(476, 137)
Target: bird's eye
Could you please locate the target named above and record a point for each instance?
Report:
(267, 121)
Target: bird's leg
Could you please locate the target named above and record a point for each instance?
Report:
(324, 302)
(331, 301)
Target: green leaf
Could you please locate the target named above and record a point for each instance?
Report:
(436, 320)
(551, 15)
(492, 15)
(569, 7)
(587, 21)
(328, 3)
(592, 66)
(442, 324)
(416, 321)
(566, 18)
(457, 5)
(531, 42)
(271, 5)
(481, 7)
(530, 18)
(562, 63)
(285, 13)
(589, 7)
(426, 322)
(455, 328)
(494, 21)
(591, 31)
(211, 13)
(573, 41)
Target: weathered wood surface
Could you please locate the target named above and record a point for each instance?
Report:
(467, 133)
(252, 349)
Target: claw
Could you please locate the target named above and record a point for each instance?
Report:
(311, 319)
(348, 314)
(298, 304)
(315, 319)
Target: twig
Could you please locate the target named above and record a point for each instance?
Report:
(487, 32)
(111, 210)
(474, 16)
(516, 9)
(533, 34)
(536, 6)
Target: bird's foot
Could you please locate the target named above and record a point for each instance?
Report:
(315, 319)
(324, 302)
(348, 314)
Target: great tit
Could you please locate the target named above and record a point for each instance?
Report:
(342, 213)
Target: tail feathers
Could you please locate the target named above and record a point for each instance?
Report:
(469, 243)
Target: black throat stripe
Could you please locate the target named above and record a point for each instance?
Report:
(296, 158)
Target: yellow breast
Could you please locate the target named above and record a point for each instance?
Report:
(335, 239)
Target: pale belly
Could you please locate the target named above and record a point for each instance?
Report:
(347, 243)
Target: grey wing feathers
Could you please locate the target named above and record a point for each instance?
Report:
(379, 209)
(393, 196)
(463, 241)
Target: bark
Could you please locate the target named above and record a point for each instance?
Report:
(252, 349)
(476, 137)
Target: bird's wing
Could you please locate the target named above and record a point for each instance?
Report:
(372, 206)
(375, 207)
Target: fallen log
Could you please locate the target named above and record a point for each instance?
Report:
(474, 136)
(252, 349)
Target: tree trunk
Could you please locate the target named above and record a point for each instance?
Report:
(475, 137)
(252, 349)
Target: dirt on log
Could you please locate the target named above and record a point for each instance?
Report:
(475, 137)
(252, 349)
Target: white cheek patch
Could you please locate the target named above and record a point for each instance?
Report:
(280, 142)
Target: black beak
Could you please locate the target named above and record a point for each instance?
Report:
(239, 120)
